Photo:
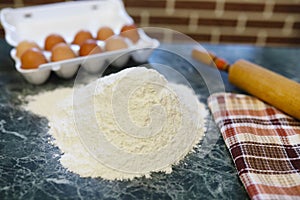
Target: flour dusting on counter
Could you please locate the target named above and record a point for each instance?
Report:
(124, 125)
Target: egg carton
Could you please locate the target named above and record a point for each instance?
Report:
(35, 23)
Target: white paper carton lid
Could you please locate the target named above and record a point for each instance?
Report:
(37, 22)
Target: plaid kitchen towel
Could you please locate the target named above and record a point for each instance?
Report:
(264, 144)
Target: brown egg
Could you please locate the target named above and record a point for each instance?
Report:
(115, 43)
(104, 33)
(61, 51)
(32, 58)
(81, 37)
(131, 32)
(25, 45)
(53, 39)
(89, 47)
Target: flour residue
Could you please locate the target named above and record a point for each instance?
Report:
(122, 126)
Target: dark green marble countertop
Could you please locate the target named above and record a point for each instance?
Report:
(30, 167)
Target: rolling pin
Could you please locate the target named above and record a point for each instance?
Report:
(262, 83)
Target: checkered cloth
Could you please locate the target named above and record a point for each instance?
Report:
(264, 144)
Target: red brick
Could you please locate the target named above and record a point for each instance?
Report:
(1, 32)
(136, 19)
(168, 20)
(283, 40)
(238, 39)
(145, 3)
(202, 5)
(200, 37)
(7, 2)
(36, 2)
(296, 25)
(287, 8)
(259, 7)
(266, 24)
(217, 22)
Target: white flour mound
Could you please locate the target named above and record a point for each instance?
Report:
(124, 125)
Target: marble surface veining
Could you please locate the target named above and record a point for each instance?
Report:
(30, 167)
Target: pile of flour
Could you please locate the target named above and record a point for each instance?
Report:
(124, 125)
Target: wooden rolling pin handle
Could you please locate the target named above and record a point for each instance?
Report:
(268, 86)
(203, 56)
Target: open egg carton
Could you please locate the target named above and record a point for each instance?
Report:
(35, 23)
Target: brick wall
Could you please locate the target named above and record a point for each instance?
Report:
(269, 22)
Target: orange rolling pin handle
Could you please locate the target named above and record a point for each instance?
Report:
(221, 64)
(210, 59)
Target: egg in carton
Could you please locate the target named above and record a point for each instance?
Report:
(36, 23)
